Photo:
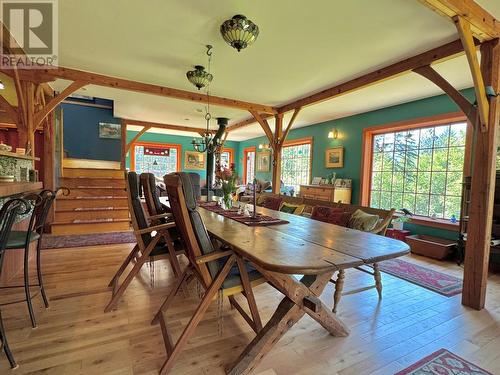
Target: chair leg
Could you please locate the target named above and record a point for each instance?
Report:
(5, 344)
(39, 273)
(124, 265)
(172, 294)
(339, 285)
(198, 315)
(172, 256)
(378, 279)
(27, 286)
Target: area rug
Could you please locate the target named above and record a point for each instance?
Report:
(438, 282)
(443, 362)
(78, 240)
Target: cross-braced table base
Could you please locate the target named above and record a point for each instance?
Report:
(301, 297)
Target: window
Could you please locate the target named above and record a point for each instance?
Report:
(159, 159)
(296, 164)
(419, 169)
(226, 157)
(249, 166)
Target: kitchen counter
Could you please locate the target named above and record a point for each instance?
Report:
(15, 188)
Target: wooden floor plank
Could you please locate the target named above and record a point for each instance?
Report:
(76, 337)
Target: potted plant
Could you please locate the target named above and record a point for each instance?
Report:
(398, 224)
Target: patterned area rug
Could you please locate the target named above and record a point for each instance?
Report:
(443, 362)
(77, 240)
(438, 282)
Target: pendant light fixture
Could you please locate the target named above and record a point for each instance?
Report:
(199, 76)
(239, 32)
(205, 143)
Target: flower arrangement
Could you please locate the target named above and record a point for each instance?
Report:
(228, 180)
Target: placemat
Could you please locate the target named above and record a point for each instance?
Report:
(259, 220)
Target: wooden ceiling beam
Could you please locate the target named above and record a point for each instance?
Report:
(443, 52)
(467, 108)
(146, 88)
(181, 128)
(483, 25)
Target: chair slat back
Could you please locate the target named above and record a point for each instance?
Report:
(189, 223)
(137, 214)
(153, 203)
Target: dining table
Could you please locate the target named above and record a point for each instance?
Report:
(294, 246)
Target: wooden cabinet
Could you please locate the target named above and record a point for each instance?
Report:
(326, 193)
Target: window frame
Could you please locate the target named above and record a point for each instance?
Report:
(418, 123)
(178, 147)
(247, 150)
(231, 154)
(300, 142)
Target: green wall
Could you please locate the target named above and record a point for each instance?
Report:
(351, 137)
(183, 141)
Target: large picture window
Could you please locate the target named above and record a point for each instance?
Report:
(159, 159)
(296, 159)
(420, 169)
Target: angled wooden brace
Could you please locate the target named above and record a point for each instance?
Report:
(265, 126)
(433, 76)
(54, 102)
(136, 137)
(10, 110)
(292, 120)
(464, 31)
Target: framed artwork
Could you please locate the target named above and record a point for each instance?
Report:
(316, 181)
(334, 157)
(194, 160)
(263, 161)
(109, 131)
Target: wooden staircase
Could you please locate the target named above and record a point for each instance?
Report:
(97, 202)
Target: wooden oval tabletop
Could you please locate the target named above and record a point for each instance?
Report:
(274, 250)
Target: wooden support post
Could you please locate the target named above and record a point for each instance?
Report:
(49, 160)
(124, 144)
(277, 147)
(483, 188)
(30, 116)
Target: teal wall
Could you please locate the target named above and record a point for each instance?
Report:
(183, 141)
(351, 137)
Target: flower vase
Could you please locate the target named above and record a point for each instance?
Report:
(228, 201)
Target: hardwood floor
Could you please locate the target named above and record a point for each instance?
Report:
(76, 337)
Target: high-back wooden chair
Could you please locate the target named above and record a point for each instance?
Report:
(219, 271)
(157, 211)
(153, 242)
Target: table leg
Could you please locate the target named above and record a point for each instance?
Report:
(289, 311)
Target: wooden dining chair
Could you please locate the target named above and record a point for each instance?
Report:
(373, 269)
(157, 211)
(219, 271)
(153, 243)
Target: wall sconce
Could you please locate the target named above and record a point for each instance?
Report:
(333, 134)
(2, 86)
(264, 146)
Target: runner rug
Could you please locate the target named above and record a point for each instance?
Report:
(94, 239)
(438, 282)
(443, 362)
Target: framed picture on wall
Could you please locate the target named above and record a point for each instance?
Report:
(263, 161)
(334, 157)
(110, 131)
(194, 160)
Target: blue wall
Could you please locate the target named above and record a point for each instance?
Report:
(184, 142)
(81, 131)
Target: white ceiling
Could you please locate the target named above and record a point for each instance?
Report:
(303, 47)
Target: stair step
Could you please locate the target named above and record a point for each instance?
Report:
(91, 182)
(94, 193)
(89, 227)
(69, 204)
(93, 173)
(86, 214)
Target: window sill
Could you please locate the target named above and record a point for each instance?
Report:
(434, 223)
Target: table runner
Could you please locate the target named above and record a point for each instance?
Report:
(260, 220)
